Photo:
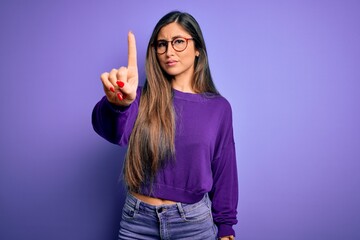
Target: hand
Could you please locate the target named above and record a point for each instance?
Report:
(120, 85)
(227, 238)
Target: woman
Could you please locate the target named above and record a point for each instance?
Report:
(180, 167)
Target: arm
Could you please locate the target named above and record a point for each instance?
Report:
(224, 194)
(114, 115)
(115, 123)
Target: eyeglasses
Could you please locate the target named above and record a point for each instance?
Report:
(179, 44)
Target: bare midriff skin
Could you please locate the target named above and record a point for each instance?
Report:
(151, 200)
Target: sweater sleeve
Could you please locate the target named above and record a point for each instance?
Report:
(224, 193)
(115, 123)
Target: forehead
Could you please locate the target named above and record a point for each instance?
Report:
(172, 30)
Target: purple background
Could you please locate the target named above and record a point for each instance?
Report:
(290, 69)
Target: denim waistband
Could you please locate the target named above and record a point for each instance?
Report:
(141, 206)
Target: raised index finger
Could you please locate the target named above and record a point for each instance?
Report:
(132, 61)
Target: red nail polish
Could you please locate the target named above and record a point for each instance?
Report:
(120, 84)
(120, 97)
(112, 89)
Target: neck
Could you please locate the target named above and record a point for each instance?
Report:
(182, 87)
(183, 84)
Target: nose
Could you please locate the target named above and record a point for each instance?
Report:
(169, 49)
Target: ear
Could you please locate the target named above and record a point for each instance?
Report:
(197, 54)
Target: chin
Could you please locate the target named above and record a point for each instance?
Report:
(172, 72)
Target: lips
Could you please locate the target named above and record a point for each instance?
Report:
(171, 63)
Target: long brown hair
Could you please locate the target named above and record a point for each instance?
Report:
(151, 143)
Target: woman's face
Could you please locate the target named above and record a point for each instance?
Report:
(179, 64)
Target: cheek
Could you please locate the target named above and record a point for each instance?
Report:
(160, 60)
(188, 56)
(189, 59)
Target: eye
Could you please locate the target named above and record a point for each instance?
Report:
(178, 41)
(161, 44)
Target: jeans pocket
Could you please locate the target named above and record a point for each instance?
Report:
(128, 213)
(200, 214)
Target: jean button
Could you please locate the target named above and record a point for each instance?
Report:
(161, 209)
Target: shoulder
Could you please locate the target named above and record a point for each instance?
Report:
(218, 101)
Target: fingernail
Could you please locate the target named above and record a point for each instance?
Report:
(120, 97)
(112, 89)
(120, 84)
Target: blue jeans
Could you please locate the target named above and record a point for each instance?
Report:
(176, 221)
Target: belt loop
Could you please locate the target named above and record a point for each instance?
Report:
(137, 205)
(207, 200)
(181, 210)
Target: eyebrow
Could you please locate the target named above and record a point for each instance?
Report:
(177, 36)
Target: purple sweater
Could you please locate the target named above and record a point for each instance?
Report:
(205, 152)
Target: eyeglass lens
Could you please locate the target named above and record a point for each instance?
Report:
(178, 44)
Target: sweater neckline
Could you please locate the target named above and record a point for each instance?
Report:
(196, 97)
